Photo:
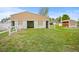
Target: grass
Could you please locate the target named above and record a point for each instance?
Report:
(46, 40)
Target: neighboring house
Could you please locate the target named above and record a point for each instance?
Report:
(29, 20)
(69, 23)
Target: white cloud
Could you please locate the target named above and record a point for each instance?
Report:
(7, 11)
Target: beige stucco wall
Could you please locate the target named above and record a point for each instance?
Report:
(26, 16)
(23, 24)
(72, 24)
(37, 25)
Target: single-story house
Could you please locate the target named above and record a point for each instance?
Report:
(69, 23)
(29, 20)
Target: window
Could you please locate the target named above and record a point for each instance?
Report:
(13, 23)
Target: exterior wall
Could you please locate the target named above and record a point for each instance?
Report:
(26, 16)
(72, 24)
(65, 24)
(18, 25)
(23, 24)
(37, 25)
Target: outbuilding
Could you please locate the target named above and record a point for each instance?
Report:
(69, 23)
(29, 20)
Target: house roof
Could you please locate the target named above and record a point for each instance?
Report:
(68, 20)
(28, 16)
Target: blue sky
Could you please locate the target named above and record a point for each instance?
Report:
(54, 12)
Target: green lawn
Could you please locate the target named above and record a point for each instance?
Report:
(0, 30)
(41, 40)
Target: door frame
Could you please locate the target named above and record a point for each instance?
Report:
(47, 24)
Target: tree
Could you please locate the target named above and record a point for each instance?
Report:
(58, 19)
(4, 20)
(44, 11)
(51, 20)
(65, 17)
(78, 22)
